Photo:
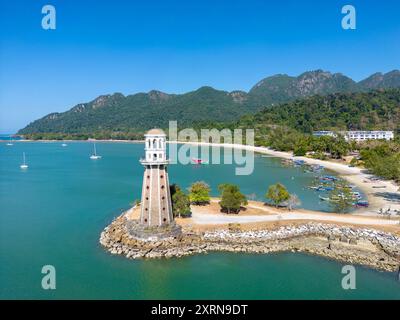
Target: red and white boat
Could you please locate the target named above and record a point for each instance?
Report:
(198, 161)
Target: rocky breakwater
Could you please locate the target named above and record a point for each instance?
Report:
(376, 249)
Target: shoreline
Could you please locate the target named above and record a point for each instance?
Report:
(383, 197)
(363, 246)
(377, 197)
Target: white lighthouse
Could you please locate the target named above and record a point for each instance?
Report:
(156, 207)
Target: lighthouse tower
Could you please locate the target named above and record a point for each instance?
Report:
(156, 208)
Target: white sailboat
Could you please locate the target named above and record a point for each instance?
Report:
(9, 143)
(64, 145)
(24, 165)
(94, 156)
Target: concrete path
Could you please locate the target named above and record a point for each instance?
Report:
(205, 218)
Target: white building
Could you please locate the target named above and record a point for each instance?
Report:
(368, 135)
(324, 133)
(358, 135)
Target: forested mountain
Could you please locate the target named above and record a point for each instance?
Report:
(380, 81)
(141, 111)
(374, 110)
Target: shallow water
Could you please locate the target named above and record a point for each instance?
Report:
(53, 213)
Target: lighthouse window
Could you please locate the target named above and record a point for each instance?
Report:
(145, 209)
(159, 143)
(165, 219)
(155, 156)
(154, 143)
(149, 143)
(147, 187)
(147, 198)
(145, 220)
(162, 187)
(163, 208)
(163, 198)
(161, 176)
(148, 177)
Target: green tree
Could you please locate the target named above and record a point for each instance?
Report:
(277, 193)
(300, 149)
(341, 197)
(180, 202)
(231, 198)
(382, 159)
(339, 147)
(199, 193)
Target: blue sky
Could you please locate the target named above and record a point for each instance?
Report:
(102, 47)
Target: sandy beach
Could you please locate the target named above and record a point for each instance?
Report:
(381, 194)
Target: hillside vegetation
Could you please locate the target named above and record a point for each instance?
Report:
(116, 114)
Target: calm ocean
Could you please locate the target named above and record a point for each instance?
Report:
(53, 213)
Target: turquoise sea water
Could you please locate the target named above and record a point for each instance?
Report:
(53, 213)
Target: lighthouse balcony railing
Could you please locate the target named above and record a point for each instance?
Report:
(154, 161)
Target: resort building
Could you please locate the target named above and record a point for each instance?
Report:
(358, 135)
(156, 207)
(324, 133)
(369, 135)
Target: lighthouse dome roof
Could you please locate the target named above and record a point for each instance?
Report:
(155, 131)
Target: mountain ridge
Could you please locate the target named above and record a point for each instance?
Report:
(141, 111)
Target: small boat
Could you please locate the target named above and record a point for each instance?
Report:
(362, 203)
(315, 168)
(324, 198)
(322, 188)
(286, 162)
(198, 161)
(328, 178)
(379, 187)
(24, 165)
(94, 156)
(9, 143)
(64, 145)
(298, 162)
